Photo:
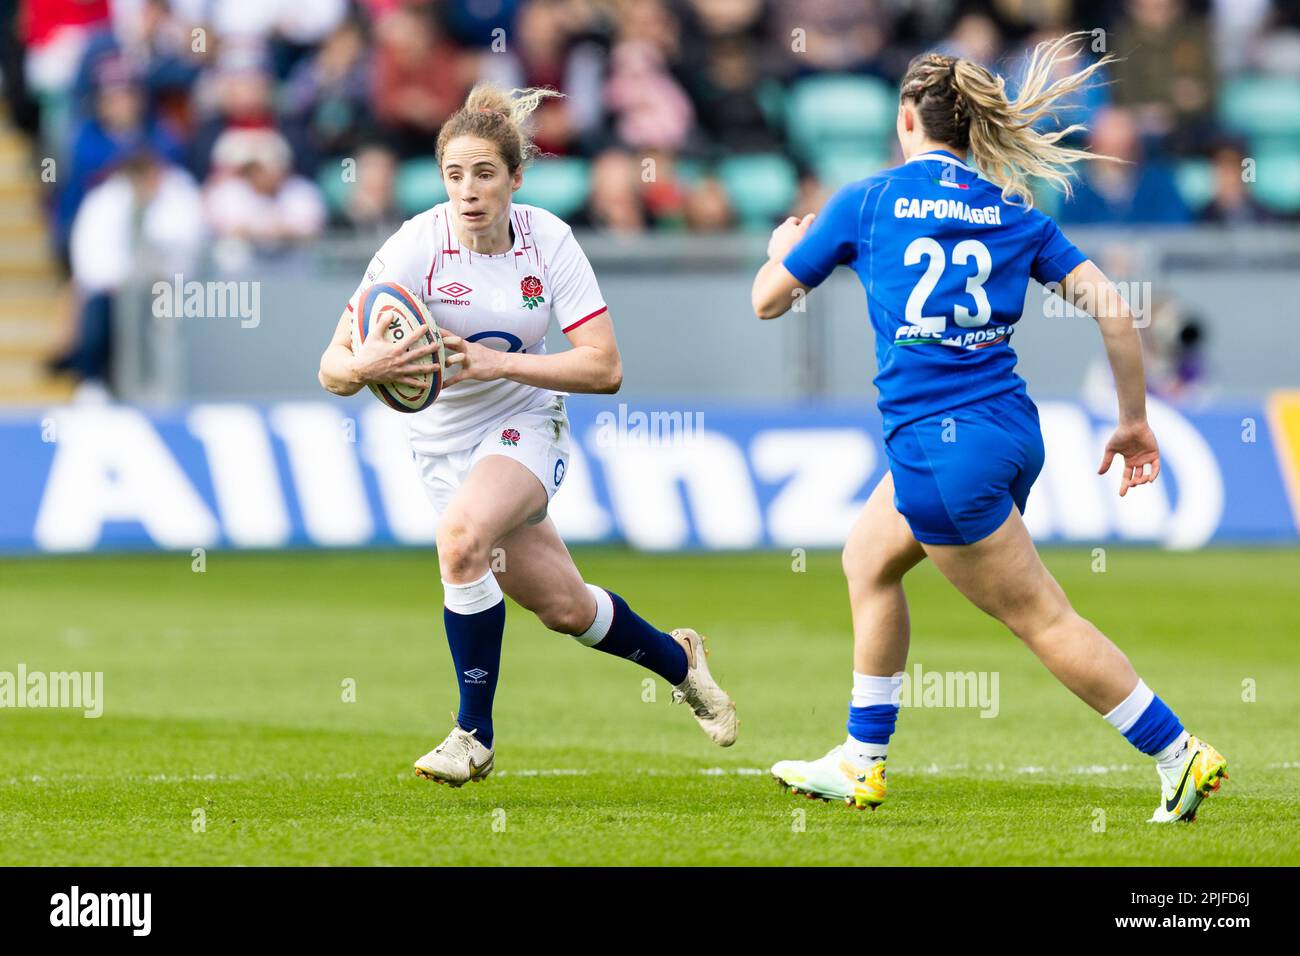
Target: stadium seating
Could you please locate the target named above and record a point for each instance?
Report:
(838, 167)
(419, 185)
(334, 190)
(1277, 180)
(1264, 108)
(840, 111)
(1195, 181)
(558, 185)
(761, 186)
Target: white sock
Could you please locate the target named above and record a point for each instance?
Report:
(1170, 760)
(1131, 707)
(862, 754)
(604, 618)
(870, 691)
(473, 597)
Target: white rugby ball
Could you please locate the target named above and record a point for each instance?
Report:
(408, 314)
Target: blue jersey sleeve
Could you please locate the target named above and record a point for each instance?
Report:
(833, 238)
(1057, 257)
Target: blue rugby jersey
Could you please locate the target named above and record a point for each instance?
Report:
(945, 262)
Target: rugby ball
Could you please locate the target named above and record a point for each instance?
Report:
(408, 314)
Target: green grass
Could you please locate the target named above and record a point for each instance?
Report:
(224, 694)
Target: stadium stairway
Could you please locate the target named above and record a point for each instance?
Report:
(33, 297)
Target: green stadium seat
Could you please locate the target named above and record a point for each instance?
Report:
(335, 191)
(1277, 180)
(840, 167)
(558, 185)
(840, 110)
(690, 172)
(761, 186)
(1195, 179)
(419, 186)
(1262, 107)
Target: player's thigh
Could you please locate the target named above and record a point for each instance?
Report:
(537, 572)
(498, 495)
(1003, 575)
(880, 547)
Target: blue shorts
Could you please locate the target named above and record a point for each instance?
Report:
(957, 473)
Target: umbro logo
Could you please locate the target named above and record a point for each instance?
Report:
(455, 293)
(476, 675)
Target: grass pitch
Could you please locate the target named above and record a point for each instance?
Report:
(226, 737)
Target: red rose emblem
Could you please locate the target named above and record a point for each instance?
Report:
(510, 436)
(531, 287)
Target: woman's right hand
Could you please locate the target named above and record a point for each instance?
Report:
(380, 362)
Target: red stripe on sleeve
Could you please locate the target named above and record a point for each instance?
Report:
(570, 328)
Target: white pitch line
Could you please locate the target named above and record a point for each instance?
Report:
(929, 769)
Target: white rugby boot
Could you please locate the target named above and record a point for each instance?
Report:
(714, 710)
(457, 760)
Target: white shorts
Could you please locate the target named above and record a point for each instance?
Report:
(538, 439)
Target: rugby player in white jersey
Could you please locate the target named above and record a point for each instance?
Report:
(494, 447)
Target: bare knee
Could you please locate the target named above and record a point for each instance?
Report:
(567, 616)
(1038, 621)
(462, 548)
(871, 568)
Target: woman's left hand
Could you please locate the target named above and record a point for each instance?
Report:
(475, 362)
(1136, 444)
(787, 235)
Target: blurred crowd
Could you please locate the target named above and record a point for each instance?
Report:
(179, 123)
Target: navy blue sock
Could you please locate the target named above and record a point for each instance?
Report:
(475, 641)
(632, 637)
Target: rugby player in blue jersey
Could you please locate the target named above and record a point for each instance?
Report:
(945, 246)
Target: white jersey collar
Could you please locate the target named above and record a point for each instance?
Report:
(943, 158)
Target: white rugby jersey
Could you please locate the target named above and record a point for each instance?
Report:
(505, 301)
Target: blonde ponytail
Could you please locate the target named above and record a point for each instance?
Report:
(962, 104)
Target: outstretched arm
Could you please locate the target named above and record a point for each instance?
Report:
(1088, 289)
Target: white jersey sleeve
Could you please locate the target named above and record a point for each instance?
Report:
(400, 259)
(575, 295)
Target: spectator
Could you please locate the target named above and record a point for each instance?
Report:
(614, 203)
(836, 36)
(372, 204)
(145, 220)
(420, 79)
(255, 196)
(326, 95)
(726, 95)
(1126, 193)
(1232, 203)
(543, 54)
(974, 37)
(649, 110)
(1166, 72)
(707, 207)
(245, 100)
(119, 124)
